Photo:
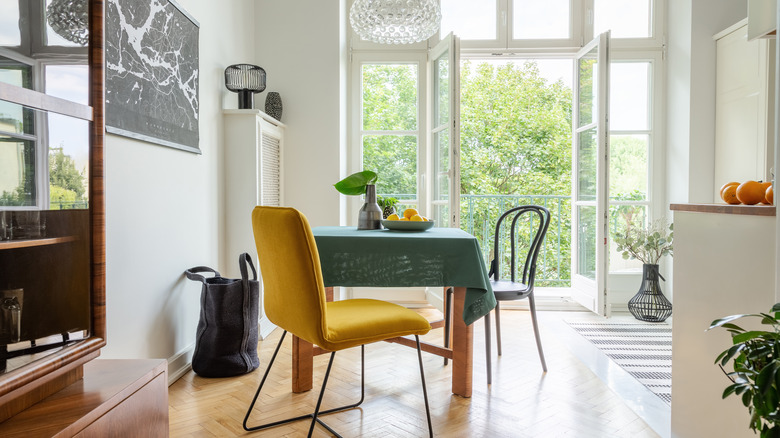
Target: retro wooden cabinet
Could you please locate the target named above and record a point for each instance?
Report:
(52, 233)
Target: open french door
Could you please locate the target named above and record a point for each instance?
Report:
(443, 185)
(590, 175)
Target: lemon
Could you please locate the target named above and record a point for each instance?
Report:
(409, 212)
(416, 218)
(403, 219)
(393, 217)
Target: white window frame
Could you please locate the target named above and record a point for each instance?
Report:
(650, 49)
(355, 154)
(580, 32)
(39, 137)
(655, 130)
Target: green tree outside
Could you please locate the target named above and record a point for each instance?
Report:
(67, 186)
(516, 140)
(516, 148)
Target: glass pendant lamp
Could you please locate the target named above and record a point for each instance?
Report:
(395, 21)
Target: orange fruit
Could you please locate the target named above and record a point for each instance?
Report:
(765, 186)
(728, 184)
(750, 192)
(729, 195)
(770, 195)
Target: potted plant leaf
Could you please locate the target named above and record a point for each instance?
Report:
(755, 356)
(387, 204)
(648, 245)
(370, 215)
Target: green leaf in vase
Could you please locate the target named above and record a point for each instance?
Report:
(356, 183)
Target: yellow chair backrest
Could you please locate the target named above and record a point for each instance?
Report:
(293, 291)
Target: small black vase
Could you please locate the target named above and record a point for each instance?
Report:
(650, 304)
(273, 105)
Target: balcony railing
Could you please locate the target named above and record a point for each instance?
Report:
(68, 205)
(478, 216)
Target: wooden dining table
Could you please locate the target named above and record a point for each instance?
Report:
(438, 257)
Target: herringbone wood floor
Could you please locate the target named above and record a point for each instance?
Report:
(568, 401)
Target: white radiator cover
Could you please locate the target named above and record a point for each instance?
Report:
(254, 150)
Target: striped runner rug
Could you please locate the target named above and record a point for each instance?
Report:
(644, 350)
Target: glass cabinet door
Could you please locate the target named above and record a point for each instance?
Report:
(45, 226)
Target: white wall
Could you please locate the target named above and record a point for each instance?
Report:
(163, 206)
(690, 158)
(690, 99)
(690, 178)
(302, 47)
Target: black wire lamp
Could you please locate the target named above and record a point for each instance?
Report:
(246, 80)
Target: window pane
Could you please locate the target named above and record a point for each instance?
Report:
(69, 82)
(394, 158)
(16, 119)
(586, 242)
(625, 18)
(10, 35)
(441, 215)
(620, 218)
(441, 183)
(534, 19)
(628, 167)
(468, 19)
(588, 78)
(442, 87)
(15, 73)
(68, 162)
(586, 159)
(389, 97)
(17, 171)
(629, 99)
(442, 158)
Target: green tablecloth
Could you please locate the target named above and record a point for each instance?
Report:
(385, 258)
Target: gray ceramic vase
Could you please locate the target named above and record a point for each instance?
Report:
(370, 215)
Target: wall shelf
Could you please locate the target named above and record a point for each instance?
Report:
(29, 243)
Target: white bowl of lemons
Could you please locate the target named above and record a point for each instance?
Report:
(411, 220)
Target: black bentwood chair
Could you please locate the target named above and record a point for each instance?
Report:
(534, 221)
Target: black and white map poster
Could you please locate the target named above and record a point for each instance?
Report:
(152, 73)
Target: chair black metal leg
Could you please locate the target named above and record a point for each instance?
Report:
(532, 305)
(319, 399)
(447, 319)
(498, 327)
(315, 415)
(425, 390)
(488, 351)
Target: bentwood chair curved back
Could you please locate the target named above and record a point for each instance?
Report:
(527, 220)
(294, 300)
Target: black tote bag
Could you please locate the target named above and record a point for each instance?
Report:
(226, 338)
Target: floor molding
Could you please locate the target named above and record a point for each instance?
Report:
(180, 364)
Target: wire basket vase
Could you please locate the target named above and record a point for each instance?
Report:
(650, 304)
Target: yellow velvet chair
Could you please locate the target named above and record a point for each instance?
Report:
(294, 300)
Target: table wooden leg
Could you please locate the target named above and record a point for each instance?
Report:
(302, 365)
(462, 347)
(303, 358)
